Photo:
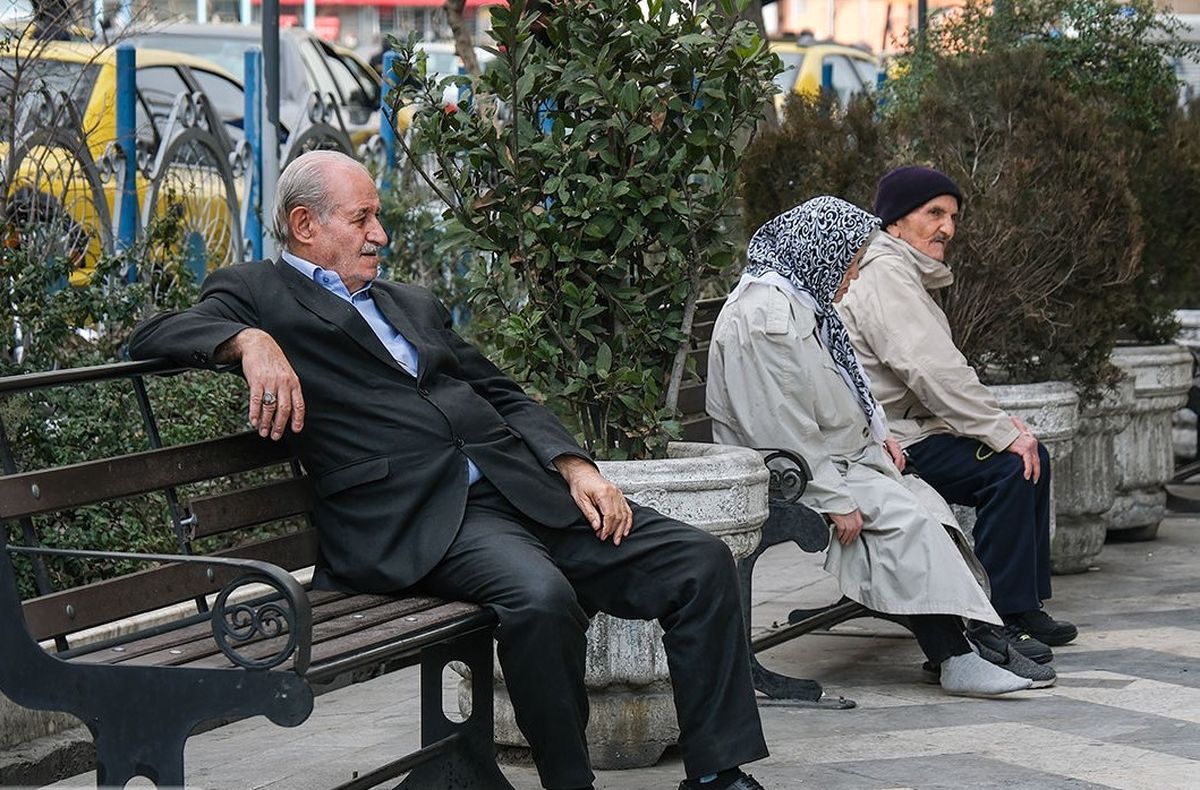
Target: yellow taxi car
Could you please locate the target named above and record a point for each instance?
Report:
(853, 70)
(54, 194)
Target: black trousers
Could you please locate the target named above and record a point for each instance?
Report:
(939, 635)
(544, 583)
(1012, 527)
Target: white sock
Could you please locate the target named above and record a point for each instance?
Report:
(972, 676)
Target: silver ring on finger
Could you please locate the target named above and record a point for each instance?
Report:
(268, 399)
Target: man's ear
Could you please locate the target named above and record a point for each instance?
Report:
(302, 224)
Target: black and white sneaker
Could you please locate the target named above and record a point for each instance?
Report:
(1043, 627)
(992, 642)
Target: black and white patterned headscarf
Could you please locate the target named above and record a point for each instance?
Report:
(812, 246)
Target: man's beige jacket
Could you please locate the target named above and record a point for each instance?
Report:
(903, 340)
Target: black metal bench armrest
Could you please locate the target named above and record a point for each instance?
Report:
(788, 479)
(235, 623)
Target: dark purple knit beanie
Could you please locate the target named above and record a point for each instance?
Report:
(907, 188)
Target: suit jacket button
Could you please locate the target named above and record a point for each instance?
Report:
(423, 392)
(458, 441)
(866, 432)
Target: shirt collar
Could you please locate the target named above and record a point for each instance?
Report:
(325, 278)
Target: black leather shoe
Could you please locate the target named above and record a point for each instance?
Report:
(736, 780)
(1043, 627)
(992, 642)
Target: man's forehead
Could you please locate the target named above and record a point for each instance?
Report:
(944, 202)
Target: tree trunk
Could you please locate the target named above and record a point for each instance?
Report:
(463, 43)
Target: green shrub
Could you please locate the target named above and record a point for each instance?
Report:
(821, 148)
(595, 164)
(50, 326)
(1112, 56)
(1050, 235)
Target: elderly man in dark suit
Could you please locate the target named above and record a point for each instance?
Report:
(432, 469)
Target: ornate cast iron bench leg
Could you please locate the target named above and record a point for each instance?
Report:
(797, 524)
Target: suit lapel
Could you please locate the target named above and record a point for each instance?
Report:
(336, 311)
(391, 303)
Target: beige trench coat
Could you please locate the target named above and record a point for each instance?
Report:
(903, 341)
(771, 384)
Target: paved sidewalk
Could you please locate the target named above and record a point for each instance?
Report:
(1125, 713)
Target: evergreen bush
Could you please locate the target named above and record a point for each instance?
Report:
(594, 162)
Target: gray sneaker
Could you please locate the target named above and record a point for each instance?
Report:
(1016, 662)
(1042, 676)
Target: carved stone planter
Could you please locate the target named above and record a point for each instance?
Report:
(1085, 481)
(720, 489)
(1183, 426)
(1145, 457)
(1051, 409)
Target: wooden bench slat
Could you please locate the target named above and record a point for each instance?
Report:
(697, 428)
(66, 487)
(387, 640)
(248, 507)
(143, 591)
(691, 397)
(325, 604)
(400, 616)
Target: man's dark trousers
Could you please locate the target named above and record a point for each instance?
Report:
(1012, 526)
(543, 584)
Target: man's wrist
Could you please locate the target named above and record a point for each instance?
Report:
(569, 465)
(233, 349)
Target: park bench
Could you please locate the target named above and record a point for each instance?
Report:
(264, 645)
(788, 521)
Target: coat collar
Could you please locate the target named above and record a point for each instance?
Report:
(934, 274)
(342, 314)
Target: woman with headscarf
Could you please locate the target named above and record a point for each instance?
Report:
(782, 373)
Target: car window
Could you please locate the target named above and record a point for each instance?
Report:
(314, 63)
(74, 79)
(846, 81)
(349, 91)
(868, 72)
(159, 86)
(364, 76)
(786, 79)
(227, 98)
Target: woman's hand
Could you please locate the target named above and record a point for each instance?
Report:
(847, 526)
(894, 450)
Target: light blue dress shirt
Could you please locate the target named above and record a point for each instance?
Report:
(404, 352)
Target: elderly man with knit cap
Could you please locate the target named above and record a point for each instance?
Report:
(951, 426)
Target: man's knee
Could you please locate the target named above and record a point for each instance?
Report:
(544, 599)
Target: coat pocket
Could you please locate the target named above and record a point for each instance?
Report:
(365, 471)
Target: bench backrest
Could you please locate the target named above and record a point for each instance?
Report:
(230, 507)
(697, 426)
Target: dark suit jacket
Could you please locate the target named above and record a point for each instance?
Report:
(386, 451)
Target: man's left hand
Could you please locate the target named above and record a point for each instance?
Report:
(600, 500)
(1020, 425)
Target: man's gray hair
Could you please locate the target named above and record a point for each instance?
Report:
(304, 183)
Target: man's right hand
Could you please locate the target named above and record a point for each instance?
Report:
(1026, 447)
(275, 395)
(847, 526)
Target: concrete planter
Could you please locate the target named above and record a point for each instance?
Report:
(720, 489)
(1085, 481)
(1145, 457)
(1051, 409)
(1183, 424)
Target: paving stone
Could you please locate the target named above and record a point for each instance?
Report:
(1126, 712)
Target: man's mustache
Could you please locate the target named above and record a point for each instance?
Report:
(369, 249)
